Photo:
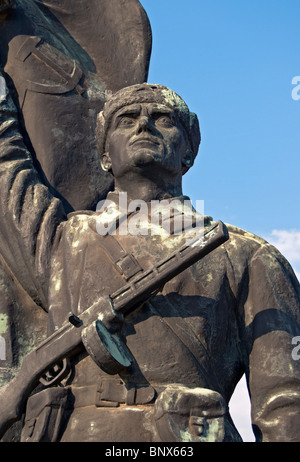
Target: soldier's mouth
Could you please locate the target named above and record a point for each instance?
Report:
(145, 141)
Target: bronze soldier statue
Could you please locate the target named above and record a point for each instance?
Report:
(235, 311)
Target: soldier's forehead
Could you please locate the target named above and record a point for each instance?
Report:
(136, 108)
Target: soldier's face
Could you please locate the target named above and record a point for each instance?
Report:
(145, 135)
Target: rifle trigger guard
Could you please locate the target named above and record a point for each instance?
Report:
(56, 374)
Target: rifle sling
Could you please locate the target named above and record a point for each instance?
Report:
(125, 263)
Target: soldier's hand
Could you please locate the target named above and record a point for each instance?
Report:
(5, 8)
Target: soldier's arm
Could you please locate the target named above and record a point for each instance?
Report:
(30, 215)
(272, 320)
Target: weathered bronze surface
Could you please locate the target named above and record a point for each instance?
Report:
(117, 362)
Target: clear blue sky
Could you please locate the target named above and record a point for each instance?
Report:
(233, 62)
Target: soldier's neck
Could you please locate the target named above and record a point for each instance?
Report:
(148, 189)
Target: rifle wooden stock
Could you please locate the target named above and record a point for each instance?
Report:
(91, 329)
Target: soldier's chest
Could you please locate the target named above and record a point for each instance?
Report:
(175, 336)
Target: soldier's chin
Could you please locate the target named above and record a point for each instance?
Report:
(145, 157)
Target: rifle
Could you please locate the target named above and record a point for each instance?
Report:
(95, 328)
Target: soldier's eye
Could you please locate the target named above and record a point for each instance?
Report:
(165, 121)
(126, 122)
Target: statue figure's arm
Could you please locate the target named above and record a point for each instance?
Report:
(30, 215)
(272, 320)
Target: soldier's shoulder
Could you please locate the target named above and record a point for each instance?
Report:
(241, 234)
(245, 243)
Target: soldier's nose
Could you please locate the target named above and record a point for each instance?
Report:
(144, 123)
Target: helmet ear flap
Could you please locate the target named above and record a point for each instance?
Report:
(195, 135)
(187, 161)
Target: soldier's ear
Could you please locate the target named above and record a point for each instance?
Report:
(106, 162)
